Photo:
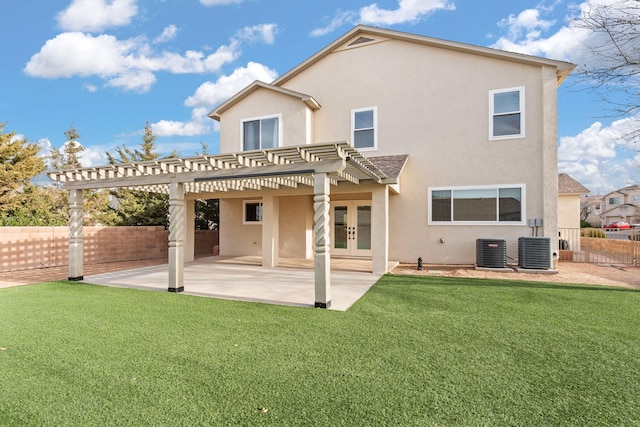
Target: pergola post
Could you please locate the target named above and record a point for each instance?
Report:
(76, 241)
(380, 229)
(321, 258)
(270, 230)
(177, 221)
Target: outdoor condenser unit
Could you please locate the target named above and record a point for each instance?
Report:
(534, 252)
(491, 253)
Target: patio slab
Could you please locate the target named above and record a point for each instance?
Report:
(244, 279)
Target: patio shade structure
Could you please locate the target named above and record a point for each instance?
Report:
(317, 166)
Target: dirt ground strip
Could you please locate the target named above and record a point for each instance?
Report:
(567, 272)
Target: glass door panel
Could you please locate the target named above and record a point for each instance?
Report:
(340, 227)
(363, 236)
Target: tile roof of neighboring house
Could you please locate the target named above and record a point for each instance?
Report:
(390, 165)
(568, 185)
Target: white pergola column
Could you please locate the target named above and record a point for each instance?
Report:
(177, 222)
(190, 238)
(380, 229)
(76, 241)
(321, 257)
(270, 230)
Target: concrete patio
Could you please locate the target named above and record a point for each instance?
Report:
(244, 279)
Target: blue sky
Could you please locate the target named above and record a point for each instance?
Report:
(107, 67)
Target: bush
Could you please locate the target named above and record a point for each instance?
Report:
(585, 224)
(593, 232)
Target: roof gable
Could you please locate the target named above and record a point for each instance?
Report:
(568, 185)
(256, 85)
(362, 35)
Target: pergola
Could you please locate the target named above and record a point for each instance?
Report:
(318, 166)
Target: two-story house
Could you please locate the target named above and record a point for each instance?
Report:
(622, 205)
(383, 145)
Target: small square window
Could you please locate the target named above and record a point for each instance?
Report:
(252, 212)
(506, 113)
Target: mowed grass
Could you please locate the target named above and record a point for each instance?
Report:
(413, 351)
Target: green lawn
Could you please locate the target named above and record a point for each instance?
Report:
(413, 351)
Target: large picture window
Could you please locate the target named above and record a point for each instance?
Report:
(363, 124)
(261, 133)
(475, 205)
(506, 108)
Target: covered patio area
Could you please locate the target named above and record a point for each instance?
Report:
(264, 177)
(244, 279)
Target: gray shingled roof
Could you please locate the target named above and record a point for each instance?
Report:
(568, 185)
(390, 165)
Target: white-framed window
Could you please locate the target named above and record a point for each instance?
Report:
(364, 123)
(261, 132)
(614, 200)
(506, 113)
(477, 205)
(252, 212)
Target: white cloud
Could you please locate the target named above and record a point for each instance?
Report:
(209, 94)
(407, 11)
(599, 157)
(97, 15)
(265, 33)
(528, 22)
(128, 64)
(198, 125)
(89, 87)
(220, 2)
(169, 33)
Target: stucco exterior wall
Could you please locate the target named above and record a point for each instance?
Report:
(432, 104)
(569, 211)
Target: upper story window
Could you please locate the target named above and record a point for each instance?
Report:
(261, 133)
(506, 107)
(477, 205)
(614, 200)
(363, 125)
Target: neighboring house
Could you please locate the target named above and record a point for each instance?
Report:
(383, 145)
(591, 209)
(622, 205)
(570, 195)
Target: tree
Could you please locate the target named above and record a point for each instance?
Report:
(140, 207)
(19, 164)
(614, 63)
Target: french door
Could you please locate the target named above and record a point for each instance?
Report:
(351, 228)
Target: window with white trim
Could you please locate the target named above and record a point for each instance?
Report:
(506, 109)
(614, 200)
(477, 205)
(261, 133)
(363, 128)
(252, 212)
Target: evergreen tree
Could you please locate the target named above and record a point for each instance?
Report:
(140, 207)
(19, 164)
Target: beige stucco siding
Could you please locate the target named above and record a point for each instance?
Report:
(296, 225)
(432, 104)
(437, 111)
(569, 211)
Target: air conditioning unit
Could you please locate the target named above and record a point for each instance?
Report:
(491, 253)
(534, 252)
